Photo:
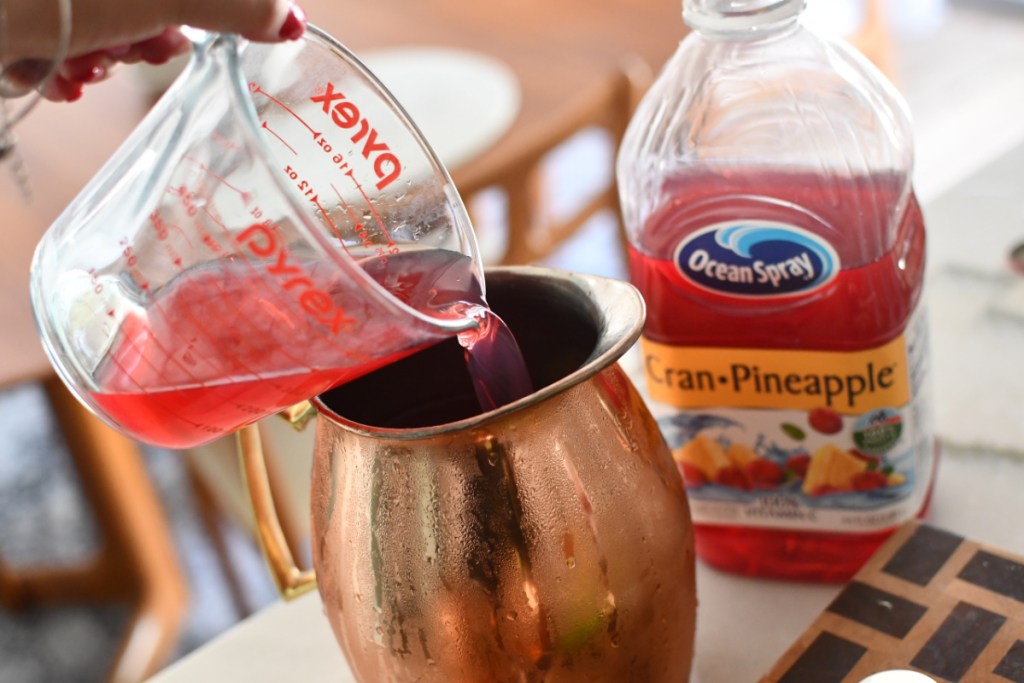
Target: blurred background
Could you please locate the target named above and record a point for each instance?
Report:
(957, 62)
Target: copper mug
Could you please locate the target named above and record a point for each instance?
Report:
(548, 540)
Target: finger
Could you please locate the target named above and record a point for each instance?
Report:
(33, 27)
(60, 89)
(162, 48)
(87, 68)
(261, 20)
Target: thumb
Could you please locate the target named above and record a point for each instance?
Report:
(33, 27)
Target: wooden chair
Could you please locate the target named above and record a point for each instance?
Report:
(532, 230)
(874, 37)
(135, 564)
(222, 500)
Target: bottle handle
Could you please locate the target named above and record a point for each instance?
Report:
(291, 581)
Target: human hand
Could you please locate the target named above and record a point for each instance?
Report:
(107, 32)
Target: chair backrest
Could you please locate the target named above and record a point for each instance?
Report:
(874, 37)
(532, 229)
(135, 563)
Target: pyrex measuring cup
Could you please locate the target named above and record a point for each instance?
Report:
(275, 226)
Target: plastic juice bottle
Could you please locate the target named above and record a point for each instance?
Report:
(766, 188)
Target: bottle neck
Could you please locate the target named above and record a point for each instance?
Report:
(737, 18)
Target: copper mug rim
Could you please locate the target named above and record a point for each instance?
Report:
(619, 310)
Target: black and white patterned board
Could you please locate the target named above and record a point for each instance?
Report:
(928, 600)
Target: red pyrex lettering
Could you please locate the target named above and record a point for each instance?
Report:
(264, 243)
(346, 115)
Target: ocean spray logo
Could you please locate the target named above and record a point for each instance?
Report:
(756, 258)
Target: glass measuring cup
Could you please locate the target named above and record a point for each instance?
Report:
(275, 226)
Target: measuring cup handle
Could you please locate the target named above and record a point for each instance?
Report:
(199, 36)
(203, 40)
(291, 581)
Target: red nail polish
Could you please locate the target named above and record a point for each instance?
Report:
(294, 24)
(97, 73)
(73, 92)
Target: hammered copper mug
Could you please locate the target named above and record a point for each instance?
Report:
(548, 540)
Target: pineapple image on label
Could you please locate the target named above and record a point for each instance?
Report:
(740, 455)
(705, 454)
(832, 469)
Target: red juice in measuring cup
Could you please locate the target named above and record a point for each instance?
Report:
(800, 416)
(218, 350)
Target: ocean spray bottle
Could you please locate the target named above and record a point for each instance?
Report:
(766, 189)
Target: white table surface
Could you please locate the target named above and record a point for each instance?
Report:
(744, 625)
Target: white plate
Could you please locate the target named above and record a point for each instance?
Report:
(462, 101)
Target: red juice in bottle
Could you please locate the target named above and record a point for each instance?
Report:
(765, 183)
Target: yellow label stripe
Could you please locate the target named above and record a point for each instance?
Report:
(848, 382)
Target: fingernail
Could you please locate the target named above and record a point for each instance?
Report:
(60, 89)
(88, 68)
(72, 90)
(97, 73)
(74, 93)
(294, 24)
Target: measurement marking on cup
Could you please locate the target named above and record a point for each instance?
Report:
(224, 142)
(344, 204)
(281, 139)
(257, 90)
(303, 185)
(213, 218)
(246, 196)
(163, 229)
(360, 228)
(348, 207)
(392, 248)
(330, 221)
(193, 209)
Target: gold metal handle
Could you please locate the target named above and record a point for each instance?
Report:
(299, 415)
(290, 579)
